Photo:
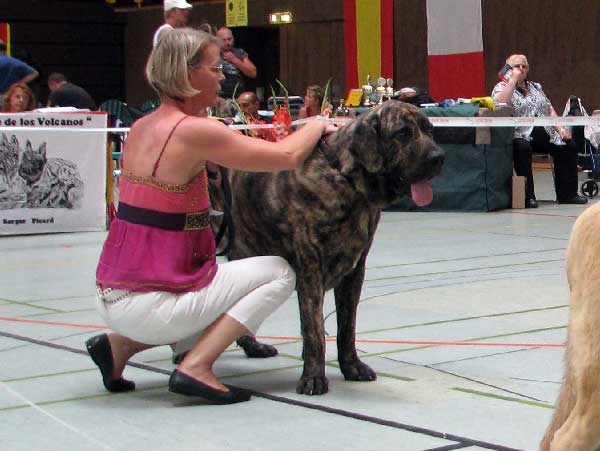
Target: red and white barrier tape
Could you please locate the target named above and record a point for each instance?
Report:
(567, 121)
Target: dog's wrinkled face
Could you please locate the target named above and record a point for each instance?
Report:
(394, 145)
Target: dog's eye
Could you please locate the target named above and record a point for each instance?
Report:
(403, 133)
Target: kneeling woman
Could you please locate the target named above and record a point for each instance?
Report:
(158, 280)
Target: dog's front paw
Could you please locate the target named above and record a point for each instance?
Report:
(357, 371)
(312, 385)
(255, 349)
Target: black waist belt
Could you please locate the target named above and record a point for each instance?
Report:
(168, 221)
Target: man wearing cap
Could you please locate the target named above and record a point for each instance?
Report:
(176, 13)
(13, 70)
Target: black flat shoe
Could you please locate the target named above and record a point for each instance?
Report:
(99, 349)
(578, 200)
(185, 385)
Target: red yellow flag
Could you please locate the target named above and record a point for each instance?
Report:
(369, 40)
(5, 35)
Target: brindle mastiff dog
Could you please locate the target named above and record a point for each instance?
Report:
(322, 218)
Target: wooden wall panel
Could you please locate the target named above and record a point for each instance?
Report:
(82, 40)
(317, 29)
(559, 39)
(410, 44)
(106, 52)
(311, 53)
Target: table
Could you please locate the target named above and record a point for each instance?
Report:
(478, 168)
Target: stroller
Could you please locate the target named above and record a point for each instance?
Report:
(587, 139)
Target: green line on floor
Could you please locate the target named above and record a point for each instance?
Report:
(58, 312)
(78, 398)
(395, 376)
(468, 318)
(252, 373)
(475, 257)
(504, 398)
(27, 304)
(435, 273)
(40, 376)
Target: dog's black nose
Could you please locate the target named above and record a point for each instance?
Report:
(437, 155)
(436, 159)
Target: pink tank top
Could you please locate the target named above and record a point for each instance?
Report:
(161, 239)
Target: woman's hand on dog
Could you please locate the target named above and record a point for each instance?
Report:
(329, 128)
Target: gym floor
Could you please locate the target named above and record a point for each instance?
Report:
(462, 315)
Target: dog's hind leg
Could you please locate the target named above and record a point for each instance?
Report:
(347, 295)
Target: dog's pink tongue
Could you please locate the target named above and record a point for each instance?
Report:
(421, 193)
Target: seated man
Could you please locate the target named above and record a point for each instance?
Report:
(249, 104)
(63, 93)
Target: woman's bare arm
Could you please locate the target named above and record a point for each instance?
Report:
(209, 140)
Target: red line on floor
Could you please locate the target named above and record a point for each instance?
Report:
(330, 339)
(51, 323)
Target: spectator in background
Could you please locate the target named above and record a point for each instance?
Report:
(63, 93)
(529, 100)
(236, 64)
(18, 98)
(36, 84)
(13, 70)
(177, 13)
(313, 103)
(249, 104)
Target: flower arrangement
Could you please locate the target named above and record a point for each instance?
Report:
(282, 120)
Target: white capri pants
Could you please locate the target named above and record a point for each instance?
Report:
(247, 290)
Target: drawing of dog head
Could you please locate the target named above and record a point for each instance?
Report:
(9, 158)
(33, 163)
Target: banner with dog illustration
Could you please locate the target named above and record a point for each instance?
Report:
(52, 172)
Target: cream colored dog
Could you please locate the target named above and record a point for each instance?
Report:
(575, 425)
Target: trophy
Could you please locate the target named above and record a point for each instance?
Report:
(389, 91)
(367, 91)
(342, 110)
(380, 90)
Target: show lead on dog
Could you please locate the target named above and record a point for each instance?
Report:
(158, 280)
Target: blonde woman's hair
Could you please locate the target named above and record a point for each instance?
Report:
(175, 53)
(317, 92)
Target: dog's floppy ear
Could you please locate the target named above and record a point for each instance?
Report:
(365, 145)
